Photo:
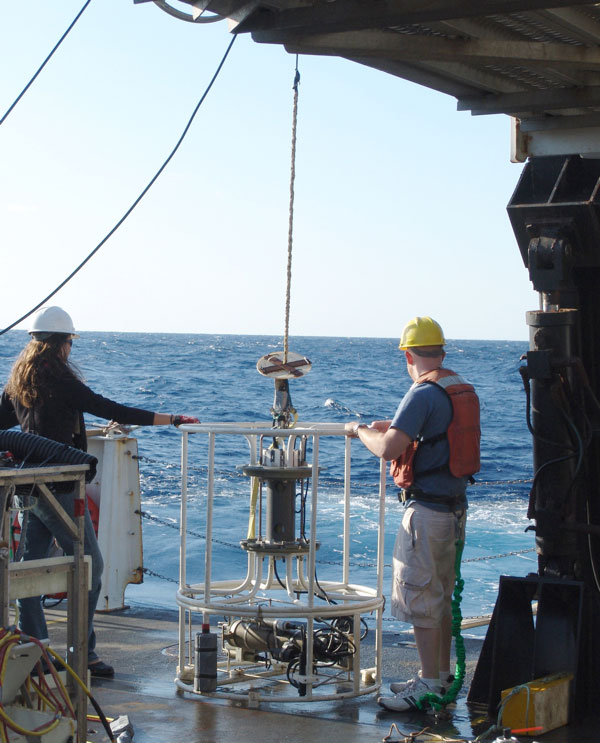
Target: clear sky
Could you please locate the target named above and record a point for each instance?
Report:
(400, 205)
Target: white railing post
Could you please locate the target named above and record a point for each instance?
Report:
(182, 548)
(380, 558)
(346, 544)
(209, 516)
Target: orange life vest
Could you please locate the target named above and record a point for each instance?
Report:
(463, 433)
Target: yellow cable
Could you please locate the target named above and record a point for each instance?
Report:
(45, 699)
(10, 637)
(13, 639)
(5, 638)
(35, 733)
(79, 681)
(68, 668)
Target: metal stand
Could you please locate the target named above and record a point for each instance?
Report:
(19, 580)
(278, 614)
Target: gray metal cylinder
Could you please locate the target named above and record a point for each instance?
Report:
(281, 510)
(205, 667)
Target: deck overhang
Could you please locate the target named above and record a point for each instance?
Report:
(537, 61)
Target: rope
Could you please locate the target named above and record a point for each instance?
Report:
(502, 482)
(291, 216)
(502, 554)
(421, 735)
(236, 545)
(41, 67)
(188, 531)
(147, 571)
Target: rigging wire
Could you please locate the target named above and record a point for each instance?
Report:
(135, 203)
(41, 67)
(291, 215)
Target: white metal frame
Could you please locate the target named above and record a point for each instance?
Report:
(245, 597)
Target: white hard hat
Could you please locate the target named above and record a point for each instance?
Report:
(50, 320)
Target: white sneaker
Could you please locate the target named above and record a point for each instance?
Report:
(406, 701)
(397, 687)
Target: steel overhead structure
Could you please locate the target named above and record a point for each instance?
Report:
(537, 61)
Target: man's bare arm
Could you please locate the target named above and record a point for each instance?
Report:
(388, 445)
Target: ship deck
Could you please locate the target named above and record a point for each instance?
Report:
(141, 643)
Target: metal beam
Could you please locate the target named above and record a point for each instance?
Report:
(553, 123)
(573, 20)
(352, 15)
(429, 78)
(59, 511)
(480, 78)
(481, 28)
(532, 101)
(452, 78)
(409, 48)
(583, 141)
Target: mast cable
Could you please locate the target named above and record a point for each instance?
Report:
(291, 215)
(41, 67)
(135, 203)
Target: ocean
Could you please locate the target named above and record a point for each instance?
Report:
(214, 377)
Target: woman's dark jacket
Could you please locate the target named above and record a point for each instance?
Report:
(60, 415)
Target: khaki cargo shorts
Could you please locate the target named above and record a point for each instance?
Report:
(423, 566)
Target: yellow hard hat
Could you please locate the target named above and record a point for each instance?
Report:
(422, 331)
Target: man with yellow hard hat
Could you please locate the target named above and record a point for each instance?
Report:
(432, 444)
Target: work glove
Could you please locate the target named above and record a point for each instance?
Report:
(178, 420)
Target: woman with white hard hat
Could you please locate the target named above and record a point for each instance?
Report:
(44, 395)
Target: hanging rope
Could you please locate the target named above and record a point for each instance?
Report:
(291, 217)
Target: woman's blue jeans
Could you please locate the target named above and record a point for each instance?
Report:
(42, 526)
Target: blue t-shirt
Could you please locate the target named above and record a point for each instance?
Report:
(425, 412)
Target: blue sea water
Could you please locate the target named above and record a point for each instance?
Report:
(214, 377)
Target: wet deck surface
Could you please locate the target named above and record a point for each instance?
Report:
(142, 646)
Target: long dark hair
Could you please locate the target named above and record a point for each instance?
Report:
(37, 368)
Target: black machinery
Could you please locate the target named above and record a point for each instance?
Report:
(555, 214)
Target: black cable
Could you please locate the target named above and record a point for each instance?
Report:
(41, 67)
(291, 670)
(303, 497)
(324, 596)
(532, 431)
(550, 462)
(279, 579)
(135, 203)
(580, 447)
